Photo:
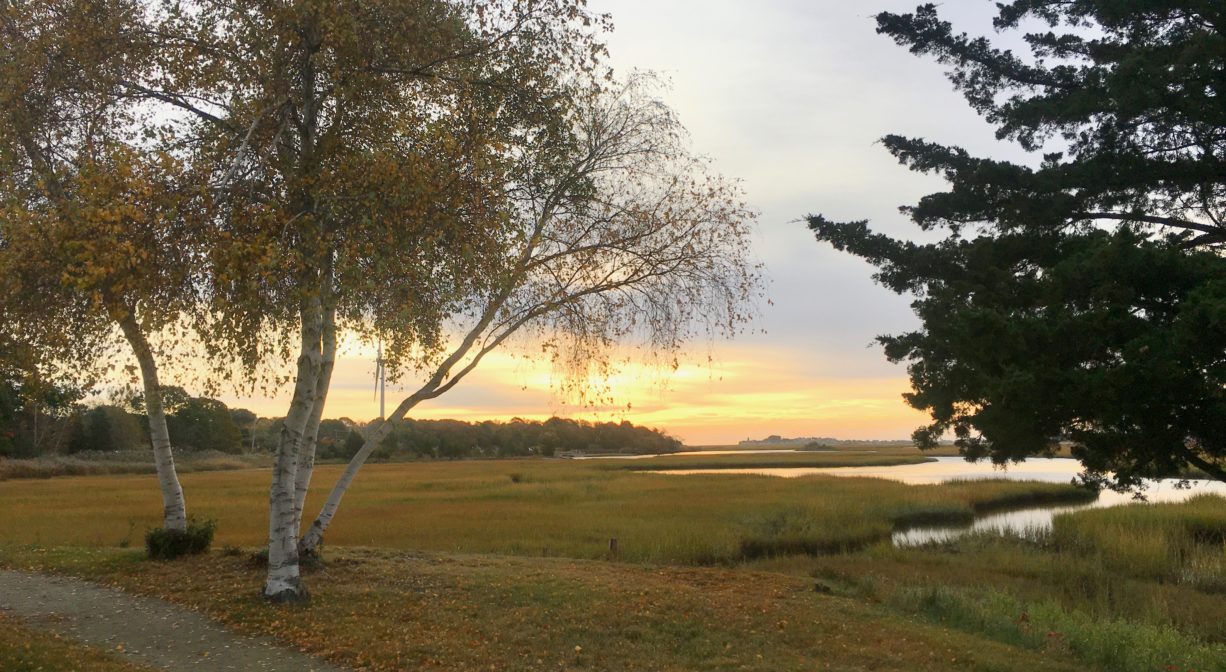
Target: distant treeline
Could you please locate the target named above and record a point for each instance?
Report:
(56, 423)
(453, 439)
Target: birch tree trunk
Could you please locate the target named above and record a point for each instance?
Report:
(310, 438)
(315, 535)
(283, 582)
(435, 386)
(174, 509)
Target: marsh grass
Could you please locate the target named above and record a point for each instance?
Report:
(559, 508)
(1182, 543)
(127, 462)
(1111, 644)
(1100, 581)
(1146, 578)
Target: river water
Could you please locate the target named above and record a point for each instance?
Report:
(1021, 521)
(687, 453)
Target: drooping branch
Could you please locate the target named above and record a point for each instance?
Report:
(624, 233)
(1153, 219)
(1213, 469)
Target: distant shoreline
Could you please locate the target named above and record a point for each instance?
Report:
(776, 440)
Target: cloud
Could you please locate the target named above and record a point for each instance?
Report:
(748, 390)
(789, 96)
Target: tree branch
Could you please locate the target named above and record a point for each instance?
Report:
(178, 102)
(1152, 219)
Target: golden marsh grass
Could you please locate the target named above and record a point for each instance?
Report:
(524, 507)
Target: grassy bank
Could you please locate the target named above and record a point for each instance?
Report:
(1177, 543)
(1119, 589)
(1111, 644)
(712, 572)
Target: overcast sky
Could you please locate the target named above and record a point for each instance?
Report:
(790, 97)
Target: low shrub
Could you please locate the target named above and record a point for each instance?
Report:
(164, 544)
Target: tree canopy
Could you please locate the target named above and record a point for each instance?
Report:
(94, 214)
(417, 171)
(620, 234)
(1079, 296)
(441, 176)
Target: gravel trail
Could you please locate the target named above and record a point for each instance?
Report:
(148, 630)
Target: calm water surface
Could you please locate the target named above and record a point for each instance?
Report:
(1023, 521)
(685, 453)
(688, 452)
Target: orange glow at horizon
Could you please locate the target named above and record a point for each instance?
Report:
(747, 392)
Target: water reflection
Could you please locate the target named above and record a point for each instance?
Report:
(684, 453)
(1022, 521)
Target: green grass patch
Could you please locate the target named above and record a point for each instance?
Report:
(1111, 644)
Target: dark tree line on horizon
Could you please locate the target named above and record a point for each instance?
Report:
(53, 421)
(453, 439)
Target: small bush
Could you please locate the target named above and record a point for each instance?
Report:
(163, 544)
(258, 559)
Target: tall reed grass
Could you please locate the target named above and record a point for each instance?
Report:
(1110, 644)
(1182, 543)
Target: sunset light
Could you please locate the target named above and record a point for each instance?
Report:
(746, 392)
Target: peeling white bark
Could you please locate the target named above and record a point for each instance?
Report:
(433, 388)
(310, 438)
(315, 535)
(283, 582)
(174, 509)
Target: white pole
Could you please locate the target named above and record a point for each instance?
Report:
(380, 381)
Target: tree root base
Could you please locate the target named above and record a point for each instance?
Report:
(289, 596)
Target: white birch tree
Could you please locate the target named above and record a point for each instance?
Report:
(619, 234)
(351, 144)
(92, 232)
(410, 171)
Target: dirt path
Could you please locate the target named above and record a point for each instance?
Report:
(148, 630)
